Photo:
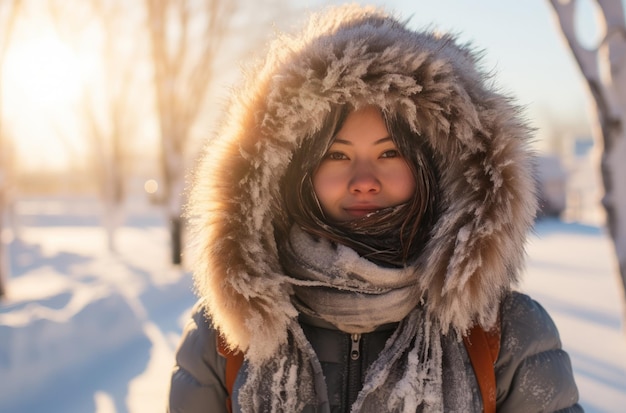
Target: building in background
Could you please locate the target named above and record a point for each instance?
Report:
(552, 185)
(569, 182)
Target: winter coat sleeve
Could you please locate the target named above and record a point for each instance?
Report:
(533, 372)
(197, 383)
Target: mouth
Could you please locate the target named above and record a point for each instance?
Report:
(361, 211)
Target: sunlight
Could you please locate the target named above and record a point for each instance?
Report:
(43, 79)
(44, 71)
(104, 402)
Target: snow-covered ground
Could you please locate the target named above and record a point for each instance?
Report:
(83, 330)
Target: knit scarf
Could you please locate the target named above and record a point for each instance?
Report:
(334, 283)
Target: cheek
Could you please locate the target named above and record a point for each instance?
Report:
(321, 183)
(327, 184)
(405, 184)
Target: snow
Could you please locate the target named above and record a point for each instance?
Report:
(85, 330)
(572, 272)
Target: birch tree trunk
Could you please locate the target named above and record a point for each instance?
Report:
(9, 10)
(105, 146)
(604, 69)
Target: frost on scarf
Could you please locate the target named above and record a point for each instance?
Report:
(405, 378)
(285, 383)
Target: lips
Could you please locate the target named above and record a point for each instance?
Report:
(361, 210)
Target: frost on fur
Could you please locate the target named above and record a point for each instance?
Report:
(478, 138)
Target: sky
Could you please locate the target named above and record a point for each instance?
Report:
(44, 77)
(523, 46)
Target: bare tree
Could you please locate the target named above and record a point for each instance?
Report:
(186, 37)
(105, 142)
(106, 110)
(9, 10)
(111, 134)
(604, 69)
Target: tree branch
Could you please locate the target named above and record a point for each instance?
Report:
(586, 59)
(7, 32)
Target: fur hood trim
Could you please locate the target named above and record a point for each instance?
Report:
(362, 56)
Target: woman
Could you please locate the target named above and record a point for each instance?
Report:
(365, 206)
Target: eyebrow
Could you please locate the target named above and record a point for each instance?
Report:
(345, 142)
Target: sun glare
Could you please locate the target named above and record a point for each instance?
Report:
(43, 80)
(43, 71)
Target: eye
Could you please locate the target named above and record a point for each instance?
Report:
(391, 153)
(335, 156)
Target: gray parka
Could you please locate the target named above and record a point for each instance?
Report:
(533, 373)
(469, 265)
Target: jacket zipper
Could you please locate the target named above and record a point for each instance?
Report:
(355, 348)
(354, 370)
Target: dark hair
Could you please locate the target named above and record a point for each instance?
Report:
(393, 236)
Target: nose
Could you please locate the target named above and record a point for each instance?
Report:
(364, 180)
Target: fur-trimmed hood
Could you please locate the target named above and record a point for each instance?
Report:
(362, 56)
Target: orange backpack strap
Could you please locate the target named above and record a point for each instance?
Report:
(234, 360)
(483, 348)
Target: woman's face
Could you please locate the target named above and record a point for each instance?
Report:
(363, 171)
